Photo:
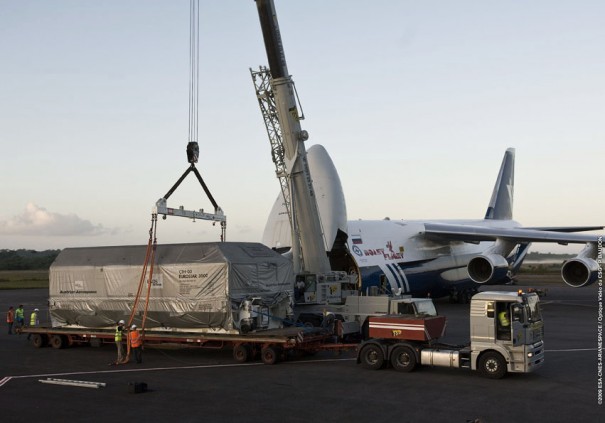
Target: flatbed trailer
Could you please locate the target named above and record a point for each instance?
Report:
(270, 345)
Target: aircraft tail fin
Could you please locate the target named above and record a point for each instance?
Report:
(501, 204)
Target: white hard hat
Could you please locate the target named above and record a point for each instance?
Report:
(35, 309)
(121, 322)
(133, 327)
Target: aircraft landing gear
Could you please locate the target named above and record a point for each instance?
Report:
(462, 296)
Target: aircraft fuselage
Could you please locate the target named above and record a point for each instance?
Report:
(395, 255)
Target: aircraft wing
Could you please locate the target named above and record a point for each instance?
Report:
(565, 228)
(475, 233)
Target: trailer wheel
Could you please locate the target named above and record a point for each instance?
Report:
(241, 353)
(403, 359)
(372, 357)
(38, 340)
(58, 341)
(269, 355)
(492, 365)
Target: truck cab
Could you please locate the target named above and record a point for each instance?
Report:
(506, 333)
(506, 336)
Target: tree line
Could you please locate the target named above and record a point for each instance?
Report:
(548, 256)
(41, 260)
(27, 259)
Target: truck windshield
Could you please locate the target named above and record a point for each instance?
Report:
(533, 308)
(426, 307)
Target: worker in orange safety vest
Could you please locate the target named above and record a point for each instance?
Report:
(10, 319)
(136, 343)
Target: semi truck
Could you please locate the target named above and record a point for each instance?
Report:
(506, 335)
(405, 338)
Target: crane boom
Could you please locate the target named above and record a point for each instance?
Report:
(316, 280)
(310, 253)
(266, 101)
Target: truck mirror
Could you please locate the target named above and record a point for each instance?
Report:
(490, 309)
(518, 314)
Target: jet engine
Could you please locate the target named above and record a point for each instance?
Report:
(489, 268)
(579, 271)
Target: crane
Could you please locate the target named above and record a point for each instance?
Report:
(278, 101)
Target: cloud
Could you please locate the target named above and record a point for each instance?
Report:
(37, 220)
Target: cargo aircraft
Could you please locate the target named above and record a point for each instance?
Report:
(430, 257)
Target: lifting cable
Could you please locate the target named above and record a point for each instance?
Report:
(193, 150)
(192, 153)
(194, 68)
(148, 263)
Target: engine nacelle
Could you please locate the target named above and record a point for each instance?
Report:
(579, 271)
(488, 268)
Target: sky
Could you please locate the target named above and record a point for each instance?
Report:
(416, 103)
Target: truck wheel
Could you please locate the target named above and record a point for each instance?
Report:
(38, 340)
(269, 355)
(492, 365)
(403, 359)
(57, 341)
(241, 353)
(372, 357)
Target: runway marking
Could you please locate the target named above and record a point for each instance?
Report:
(153, 369)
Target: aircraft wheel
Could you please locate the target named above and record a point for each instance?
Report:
(492, 365)
(403, 359)
(372, 357)
(465, 297)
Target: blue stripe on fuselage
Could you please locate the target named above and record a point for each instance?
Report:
(395, 276)
(399, 276)
(422, 277)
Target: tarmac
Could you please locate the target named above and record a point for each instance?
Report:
(193, 385)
